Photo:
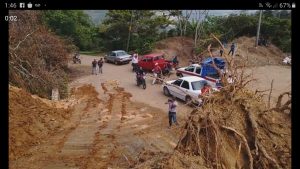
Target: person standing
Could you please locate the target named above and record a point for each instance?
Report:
(221, 51)
(94, 67)
(135, 61)
(232, 48)
(172, 111)
(206, 89)
(156, 72)
(175, 61)
(100, 64)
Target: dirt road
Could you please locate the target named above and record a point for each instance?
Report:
(281, 76)
(106, 129)
(113, 122)
(110, 132)
(154, 96)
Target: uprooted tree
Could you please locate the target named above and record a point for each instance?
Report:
(233, 129)
(37, 58)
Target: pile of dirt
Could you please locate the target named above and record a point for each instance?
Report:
(181, 46)
(257, 56)
(88, 93)
(240, 135)
(32, 120)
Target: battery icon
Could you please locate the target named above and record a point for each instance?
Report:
(293, 5)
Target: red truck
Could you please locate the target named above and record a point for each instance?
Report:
(148, 61)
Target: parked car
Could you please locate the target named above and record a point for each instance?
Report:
(148, 61)
(185, 88)
(204, 70)
(118, 57)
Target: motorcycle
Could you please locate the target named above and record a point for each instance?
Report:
(141, 80)
(167, 70)
(76, 60)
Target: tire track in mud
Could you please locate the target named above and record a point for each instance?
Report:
(74, 146)
(105, 149)
(101, 133)
(52, 153)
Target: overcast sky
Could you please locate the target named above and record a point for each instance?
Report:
(227, 12)
(98, 15)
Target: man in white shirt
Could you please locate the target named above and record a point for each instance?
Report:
(134, 61)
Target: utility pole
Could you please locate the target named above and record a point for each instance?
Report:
(258, 28)
(129, 30)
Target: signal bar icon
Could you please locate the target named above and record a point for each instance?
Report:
(269, 5)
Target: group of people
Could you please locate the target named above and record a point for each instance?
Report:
(231, 51)
(97, 66)
(172, 103)
(157, 70)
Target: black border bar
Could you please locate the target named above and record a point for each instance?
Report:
(154, 4)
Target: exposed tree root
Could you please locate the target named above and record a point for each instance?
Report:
(243, 138)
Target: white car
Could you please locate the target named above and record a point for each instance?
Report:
(185, 88)
(287, 60)
(212, 77)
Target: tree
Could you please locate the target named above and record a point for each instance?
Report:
(183, 20)
(73, 24)
(200, 16)
(144, 28)
(37, 58)
(276, 29)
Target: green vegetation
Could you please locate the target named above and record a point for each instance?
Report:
(112, 34)
(145, 27)
(275, 27)
(91, 53)
(142, 25)
(74, 25)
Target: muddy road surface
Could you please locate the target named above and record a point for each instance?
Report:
(108, 131)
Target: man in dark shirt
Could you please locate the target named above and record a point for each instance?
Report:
(100, 64)
(232, 47)
(94, 67)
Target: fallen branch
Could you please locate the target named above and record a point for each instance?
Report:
(261, 91)
(213, 62)
(237, 157)
(279, 107)
(126, 159)
(253, 125)
(264, 152)
(270, 93)
(258, 146)
(21, 41)
(245, 143)
(280, 98)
